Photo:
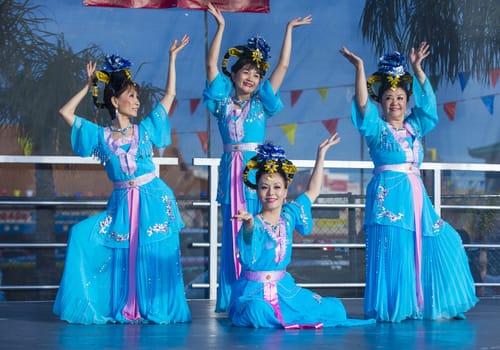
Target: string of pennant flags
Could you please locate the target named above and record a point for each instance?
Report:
(289, 129)
(488, 100)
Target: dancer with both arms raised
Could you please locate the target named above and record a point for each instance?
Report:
(242, 101)
(416, 264)
(123, 264)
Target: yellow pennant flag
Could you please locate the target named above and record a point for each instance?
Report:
(290, 130)
(323, 92)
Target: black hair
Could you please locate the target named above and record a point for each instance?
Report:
(262, 171)
(246, 60)
(387, 86)
(384, 87)
(119, 82)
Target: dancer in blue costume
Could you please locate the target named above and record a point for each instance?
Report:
(123, 265)
(265, 294)
(242, 118)
(416, 264)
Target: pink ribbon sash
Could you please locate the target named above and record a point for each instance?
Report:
(135, 182)
(413, 173)
(131, 309)
(417, 209)
(271, 296)
(237, 203)
(237, 196)
(402, 168)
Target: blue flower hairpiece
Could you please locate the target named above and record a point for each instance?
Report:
(258, 43)
(269, 159)
(392, 73)
(394, 64)
(115, 63)
(269, 151)
(114, 72)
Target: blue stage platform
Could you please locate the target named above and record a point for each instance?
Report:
(31, 325)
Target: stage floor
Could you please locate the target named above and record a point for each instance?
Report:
(31, 325)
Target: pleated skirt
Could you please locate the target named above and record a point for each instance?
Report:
(390, 294)
(298, 307)
(93, 289)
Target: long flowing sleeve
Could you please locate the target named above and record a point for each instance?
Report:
(84, 137)
(424, 114)
(157, 125)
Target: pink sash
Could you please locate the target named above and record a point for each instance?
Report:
(237, 195)
(237, 203)
(131, 309)
(270, 279)
(414, 178)
(417, 210)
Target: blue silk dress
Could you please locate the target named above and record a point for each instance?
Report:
(241, 131)
(265, 295)
(416, 264)
(123, 264)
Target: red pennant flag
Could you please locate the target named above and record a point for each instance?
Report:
(193, 104)
(172, 108)
(331, 125)
(261, 6)
(295, 94)
(203, 136)
(494, 74)
(450, 109)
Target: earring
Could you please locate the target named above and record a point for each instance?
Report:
(116, 112)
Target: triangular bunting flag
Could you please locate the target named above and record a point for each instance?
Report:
(463, 78)
(489, 102)
(323, 93)
(450, 109)
(289, 130)
(331, 125)
(494, 74)
(193, 104)
(295, 94)
(203, 136)
(172, 108)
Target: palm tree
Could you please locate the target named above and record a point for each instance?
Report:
(35, 77)
(38, 74)
(21, 40)
(464, 34)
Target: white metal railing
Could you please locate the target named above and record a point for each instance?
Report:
(213, 244)
(212, 205)
(93, 203)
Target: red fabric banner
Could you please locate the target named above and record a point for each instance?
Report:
(261, 6)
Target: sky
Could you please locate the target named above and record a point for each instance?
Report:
(144, 36)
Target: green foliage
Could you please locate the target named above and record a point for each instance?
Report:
(39, 73)
(463, 34)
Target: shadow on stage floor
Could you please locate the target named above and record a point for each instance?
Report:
(31, 325)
